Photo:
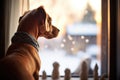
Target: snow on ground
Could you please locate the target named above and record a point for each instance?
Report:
(48, 57)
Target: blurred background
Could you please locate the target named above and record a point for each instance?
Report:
(79, 39)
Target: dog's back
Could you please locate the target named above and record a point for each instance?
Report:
(10, 69)
(18, 65)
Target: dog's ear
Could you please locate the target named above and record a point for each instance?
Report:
(42, 13)
(41, 10)
(23, 15)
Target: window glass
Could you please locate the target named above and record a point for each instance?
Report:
(79, 39)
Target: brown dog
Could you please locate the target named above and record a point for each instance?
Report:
(22, 61)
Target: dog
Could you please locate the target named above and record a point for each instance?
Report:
(22, 61)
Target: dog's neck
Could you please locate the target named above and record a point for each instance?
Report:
(33, 34)
(23, 37)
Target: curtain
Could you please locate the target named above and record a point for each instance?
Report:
(13, 10)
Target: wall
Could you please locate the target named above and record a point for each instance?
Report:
(118, 40)
(2, 29)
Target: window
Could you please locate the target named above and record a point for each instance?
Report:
(79, 39)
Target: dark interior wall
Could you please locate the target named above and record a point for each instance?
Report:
(113, 26)
(118, 40)
(2, 28)
(114, 40)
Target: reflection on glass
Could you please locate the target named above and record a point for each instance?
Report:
(79, 39)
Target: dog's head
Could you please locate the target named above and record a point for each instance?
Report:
(40, 19)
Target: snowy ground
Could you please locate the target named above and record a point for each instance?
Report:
(48, 57)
